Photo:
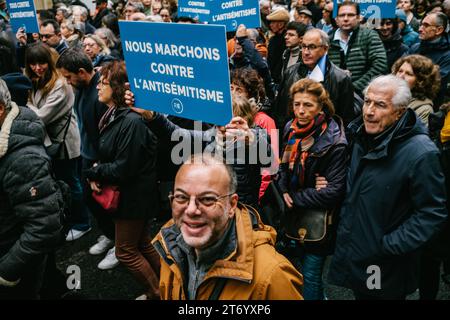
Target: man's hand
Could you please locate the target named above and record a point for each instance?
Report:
(129, 101)
(21, 36)
(129, 96)
(288, 200)
(6, 283)
(238, 129)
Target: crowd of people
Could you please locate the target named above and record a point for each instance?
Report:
(338, 146)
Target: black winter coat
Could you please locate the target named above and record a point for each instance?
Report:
(395, 203)
(89, 112)
(276, 47)
(439, 53)
(328, 158)
(128, 159)
(31, 203)
(248, 170)
(395, 49)
(336, 82)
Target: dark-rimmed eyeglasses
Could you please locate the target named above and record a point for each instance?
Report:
(310, 47)
(206, 201)
(46, 36)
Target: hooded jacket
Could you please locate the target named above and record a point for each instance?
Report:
(395, 203)
(254, 270)
(31, 203)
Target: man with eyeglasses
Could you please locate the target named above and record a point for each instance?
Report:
(293, 38)
(50, 34)
(327, 23)
(316, 65)
(215, 248)
(355, 49)
(435, 44)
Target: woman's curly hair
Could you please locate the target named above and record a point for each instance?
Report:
(428, 79)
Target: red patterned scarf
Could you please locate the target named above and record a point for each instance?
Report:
(300, 140)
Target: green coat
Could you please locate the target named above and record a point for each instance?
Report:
(365, 59)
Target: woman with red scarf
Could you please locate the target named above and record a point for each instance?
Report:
(312, 174)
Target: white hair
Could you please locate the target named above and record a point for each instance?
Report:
(446, 4)
(402, 93)
(81, 10)
(5, 96)
(324, 38)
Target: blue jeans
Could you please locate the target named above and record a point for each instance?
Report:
(309, 265)
(68, 170)
(312, 269)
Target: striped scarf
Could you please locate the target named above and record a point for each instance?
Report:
(300, 140)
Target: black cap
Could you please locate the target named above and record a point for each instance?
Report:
(18, 86)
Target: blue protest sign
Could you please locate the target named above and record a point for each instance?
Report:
(199, 10)
(372, 9)
(178, 69)
(235, 12)
(23, 15)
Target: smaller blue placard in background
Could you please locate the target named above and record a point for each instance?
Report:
(232, 13)
(199, 10)
(378, 9)
(23, 15)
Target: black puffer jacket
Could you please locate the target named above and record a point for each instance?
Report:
(127, 154)
(31, 203)
(247, 167)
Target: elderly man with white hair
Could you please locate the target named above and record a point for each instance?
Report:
(395, 201)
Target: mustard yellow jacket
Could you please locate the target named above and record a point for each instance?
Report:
(255, 271)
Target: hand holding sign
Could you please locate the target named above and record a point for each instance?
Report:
(21, 36)
(238, 129)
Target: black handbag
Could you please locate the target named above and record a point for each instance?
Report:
(308, 225)
(54, 150)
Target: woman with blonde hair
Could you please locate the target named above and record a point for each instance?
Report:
(424, 80)
(97, 50)
(311, 176)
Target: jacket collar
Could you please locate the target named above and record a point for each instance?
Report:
(6, 128)
(239, 263)
(405, 127)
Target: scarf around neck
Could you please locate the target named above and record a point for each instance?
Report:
(299, 142)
